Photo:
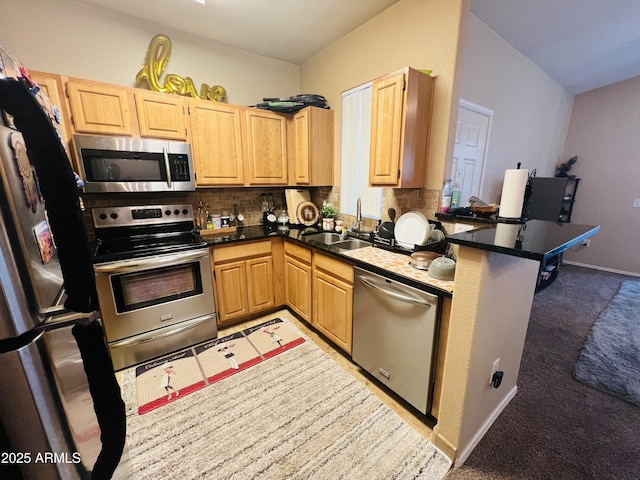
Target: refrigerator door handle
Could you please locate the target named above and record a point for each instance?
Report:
(66, 319)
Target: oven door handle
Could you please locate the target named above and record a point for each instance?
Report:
(126, 266)
(165, 154)
(153, 335)
(371, 283)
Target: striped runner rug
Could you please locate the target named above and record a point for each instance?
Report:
(298, 415)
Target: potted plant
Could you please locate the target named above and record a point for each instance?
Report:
(328, 213)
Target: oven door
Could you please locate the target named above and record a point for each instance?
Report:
(143, 295)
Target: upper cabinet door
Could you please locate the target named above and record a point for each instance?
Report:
(217, 143)
(51, 85)
(386, 129)
(266, 147)
(161, 115)
(100, 109)
(400, 127)
(300, 153)
(311, 153)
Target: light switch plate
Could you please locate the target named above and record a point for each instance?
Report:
(636, 203)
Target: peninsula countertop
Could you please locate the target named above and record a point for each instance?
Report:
(535, 239)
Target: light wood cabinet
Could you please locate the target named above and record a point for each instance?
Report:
(266, 147)
(101, 109)
(244, 283)
(216, 143)
(51, 85)
(297, 279)
(400, 126)
(231, 282)
(231, 145)
(311, 147)
(333, 299)
(161, 115)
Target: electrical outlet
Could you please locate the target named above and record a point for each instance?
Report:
(495, 366)
(636, 203)
(586, 242)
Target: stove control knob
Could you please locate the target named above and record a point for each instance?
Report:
(176, 212)
(185, 211)
(114, 215)
(167, 212)
(103, 216)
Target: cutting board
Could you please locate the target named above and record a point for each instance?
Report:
(294, 197)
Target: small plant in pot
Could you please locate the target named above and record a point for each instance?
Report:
(328, 212)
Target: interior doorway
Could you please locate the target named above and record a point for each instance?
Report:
(470, 149)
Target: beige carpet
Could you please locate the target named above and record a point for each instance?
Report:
(298, 415)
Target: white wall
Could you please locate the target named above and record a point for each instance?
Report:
(531, 110)
(423, 34)
(604, 135)
(76, 39)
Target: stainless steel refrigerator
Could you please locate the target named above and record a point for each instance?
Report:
(61, 413)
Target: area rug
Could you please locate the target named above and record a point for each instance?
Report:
(610, 358)
(174, 376)
(299, 415)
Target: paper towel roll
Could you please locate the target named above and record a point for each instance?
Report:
(513, 188)
(506, 234)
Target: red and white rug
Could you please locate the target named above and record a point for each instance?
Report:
(167, 379)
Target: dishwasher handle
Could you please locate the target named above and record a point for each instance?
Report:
(372, 283)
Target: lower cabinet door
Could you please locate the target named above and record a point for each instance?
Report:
(333, 308)
(231, 280)
(297, 285)
(260, 291)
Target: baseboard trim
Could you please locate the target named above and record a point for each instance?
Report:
(604, 269)
(463, 454)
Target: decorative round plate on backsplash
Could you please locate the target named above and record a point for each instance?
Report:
(307, 214)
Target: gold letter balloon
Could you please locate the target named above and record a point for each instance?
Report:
(155, 63)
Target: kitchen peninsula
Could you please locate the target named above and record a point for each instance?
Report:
(496, 277)
(489, 303)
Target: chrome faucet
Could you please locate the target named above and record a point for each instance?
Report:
(358, 225)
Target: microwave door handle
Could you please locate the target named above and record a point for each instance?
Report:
(167, 166)
(125, 266)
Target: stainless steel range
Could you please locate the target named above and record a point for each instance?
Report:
(154, 281)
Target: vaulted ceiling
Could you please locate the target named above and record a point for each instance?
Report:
(582, 44)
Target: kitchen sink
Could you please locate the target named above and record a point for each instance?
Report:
(334, 240)
(324, 237)
(352, 244)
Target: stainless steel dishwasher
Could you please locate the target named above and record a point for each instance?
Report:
(394, 335)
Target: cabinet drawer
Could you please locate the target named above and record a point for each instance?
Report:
(334, 267)
(244, 250)
(298, 251)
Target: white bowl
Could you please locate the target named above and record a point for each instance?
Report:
(442, 268)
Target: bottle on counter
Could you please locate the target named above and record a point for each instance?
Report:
(201, 219)
(445, 203)
(456, 193)
(209, 221)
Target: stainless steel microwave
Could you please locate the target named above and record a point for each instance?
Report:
(124, 164)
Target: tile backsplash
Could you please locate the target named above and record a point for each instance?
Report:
(246, 200)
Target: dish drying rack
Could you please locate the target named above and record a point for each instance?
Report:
(439, 246)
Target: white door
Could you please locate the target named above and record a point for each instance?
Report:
(472, 135)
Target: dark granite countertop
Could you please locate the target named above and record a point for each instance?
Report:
(534, 239)
(256, 232)
(446, 217)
